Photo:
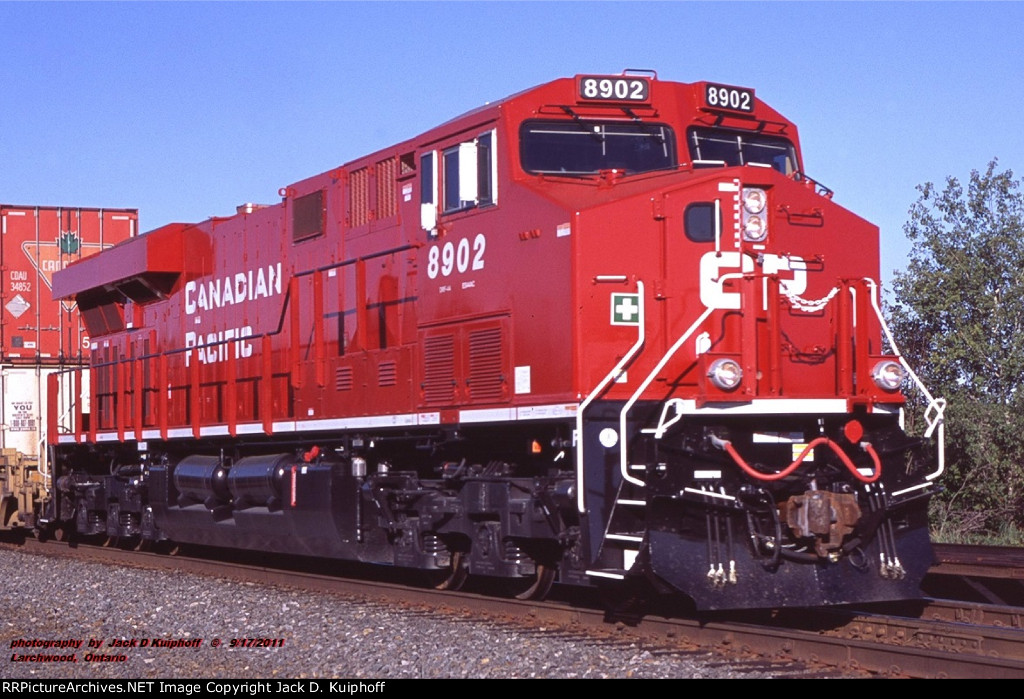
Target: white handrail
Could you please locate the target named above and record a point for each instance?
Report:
(612, 375)
(933, 413)
(623, 452)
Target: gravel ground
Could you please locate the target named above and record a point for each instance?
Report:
(49, 599)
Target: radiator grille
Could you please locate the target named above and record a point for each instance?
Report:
(387, 201)
(359, 197)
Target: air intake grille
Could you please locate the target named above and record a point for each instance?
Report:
(439, 369)
(387, 374)
(486, 377)
(343, 378)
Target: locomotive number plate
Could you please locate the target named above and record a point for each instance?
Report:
(737, 99)
(605, 89)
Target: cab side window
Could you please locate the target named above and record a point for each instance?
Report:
(468, 174)
(457, 178)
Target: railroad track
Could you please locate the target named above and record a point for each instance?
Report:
(927, 639)
(992, 574)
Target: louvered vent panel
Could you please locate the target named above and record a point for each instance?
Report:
(387, 374)
(486, 377)
(387, 201)
(359, 197)
(343, 378)
(439, 369)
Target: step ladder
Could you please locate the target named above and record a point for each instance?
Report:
(625, 530)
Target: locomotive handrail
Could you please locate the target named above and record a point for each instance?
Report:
(718, 225)
(623, 452)
(52, 387)
(43, 461)
(663, 424)
(264, 336)
(819, 188)
(933, 413)
(281, 317)
(603, 384)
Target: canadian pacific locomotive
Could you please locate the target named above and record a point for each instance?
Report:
(605, 331)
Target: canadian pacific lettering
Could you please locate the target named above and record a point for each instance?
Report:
(219, 346)
(233, 288)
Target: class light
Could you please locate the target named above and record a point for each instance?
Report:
(726, 374)
(888, 375)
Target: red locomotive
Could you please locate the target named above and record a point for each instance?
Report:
(603, 330)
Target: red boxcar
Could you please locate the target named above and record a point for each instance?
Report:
(605, 329)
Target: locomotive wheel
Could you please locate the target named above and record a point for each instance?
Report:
(8, 509)
(129, 543)
(455, 576)
(169, 548)
(540, 584)
(62, 533)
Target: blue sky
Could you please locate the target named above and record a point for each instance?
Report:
(184, 110)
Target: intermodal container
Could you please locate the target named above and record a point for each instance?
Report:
(35, 242)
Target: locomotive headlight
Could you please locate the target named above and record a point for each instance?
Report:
(726, 374)
(754, 221)
(754, 228)
(888, 375)
(754, 200)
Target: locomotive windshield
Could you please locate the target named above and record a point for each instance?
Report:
(717, 147)
(588, 147)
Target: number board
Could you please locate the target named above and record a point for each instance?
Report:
(737, 99)
(613, 89)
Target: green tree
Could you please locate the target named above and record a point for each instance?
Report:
(958, 316)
